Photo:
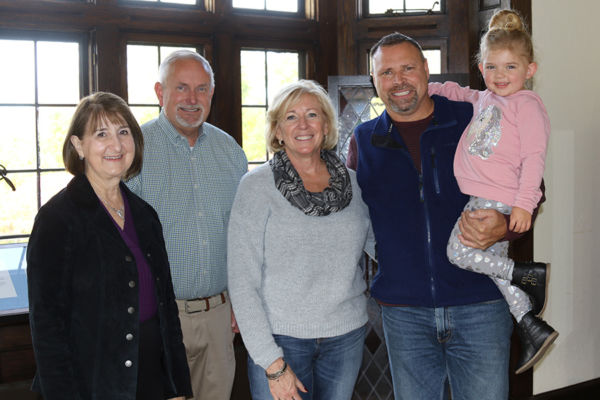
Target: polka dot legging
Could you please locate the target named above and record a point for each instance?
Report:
(492, 261)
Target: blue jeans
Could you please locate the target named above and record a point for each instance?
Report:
(466, 346)
(327, 367)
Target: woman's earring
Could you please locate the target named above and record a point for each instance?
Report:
(280, 142)
(81, 158)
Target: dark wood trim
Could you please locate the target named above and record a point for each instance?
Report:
(109, 25)
(18, 391)
(325, 61)
(452, 31)
(347, 54)
(16, 351)
(16, 318)
(460, 47)
(226, 105)
(109, 60)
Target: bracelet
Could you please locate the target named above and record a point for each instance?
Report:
(277, 374)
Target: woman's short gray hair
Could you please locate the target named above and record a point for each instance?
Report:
(287, 97)
(165, 65)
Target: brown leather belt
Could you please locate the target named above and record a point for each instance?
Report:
(204, 303)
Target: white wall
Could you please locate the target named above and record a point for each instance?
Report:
(567, 233)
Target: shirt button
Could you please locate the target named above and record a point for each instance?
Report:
(200, 214)
(131, 310)
(128, 259)
(131, 284)
(129, 337)
(128, 363)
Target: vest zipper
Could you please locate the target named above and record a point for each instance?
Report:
(434, 172)
(429, 249)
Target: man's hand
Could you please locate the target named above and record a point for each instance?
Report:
(520, 220)
(234, 325)
(481, 228)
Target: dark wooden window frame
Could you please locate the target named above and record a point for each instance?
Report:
(200, 4)
(37, 36)
(427, 44)
(104, 29)
(366, 14)
(202, 46)
(302, 57)
(301, 13)
(305, 69)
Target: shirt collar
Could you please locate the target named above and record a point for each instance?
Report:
(172, 134)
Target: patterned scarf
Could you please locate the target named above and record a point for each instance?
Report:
(334, 198)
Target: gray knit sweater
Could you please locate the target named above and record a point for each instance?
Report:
(292, 274)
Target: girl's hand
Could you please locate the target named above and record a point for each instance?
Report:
(520, 220)
(286, 386)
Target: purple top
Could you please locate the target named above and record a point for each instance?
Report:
(147, 294)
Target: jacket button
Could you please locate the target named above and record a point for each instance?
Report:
(131, 284)
(131, 310)
(128, 259)
(129, 337)
(148, 255)
(128, 363)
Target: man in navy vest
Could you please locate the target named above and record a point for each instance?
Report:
(443, 325)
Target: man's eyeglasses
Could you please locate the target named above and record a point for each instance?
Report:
(3, 177)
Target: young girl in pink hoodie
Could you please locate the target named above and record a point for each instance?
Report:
(499, 162)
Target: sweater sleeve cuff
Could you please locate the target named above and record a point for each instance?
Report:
(265, 360)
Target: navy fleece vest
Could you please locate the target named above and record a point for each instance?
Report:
(413, 214)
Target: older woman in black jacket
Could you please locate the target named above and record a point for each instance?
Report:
(102, 310)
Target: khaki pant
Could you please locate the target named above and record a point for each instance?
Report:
(208, 341)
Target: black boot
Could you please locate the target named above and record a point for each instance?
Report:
(536, 336)
(532, 278)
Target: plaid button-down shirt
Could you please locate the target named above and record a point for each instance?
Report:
(192, 190)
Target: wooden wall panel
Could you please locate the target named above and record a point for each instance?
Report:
(16, 352)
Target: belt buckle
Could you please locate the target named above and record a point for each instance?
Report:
(191, 307)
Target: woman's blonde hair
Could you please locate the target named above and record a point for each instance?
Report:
(506, 30)
(287, 97)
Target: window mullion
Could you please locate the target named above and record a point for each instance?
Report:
(38, 161)
(266, 90)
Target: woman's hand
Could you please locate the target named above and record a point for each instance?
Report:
(286, 386)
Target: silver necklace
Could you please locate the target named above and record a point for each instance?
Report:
(119, 211)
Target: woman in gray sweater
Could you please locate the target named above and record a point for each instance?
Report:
(297, 232)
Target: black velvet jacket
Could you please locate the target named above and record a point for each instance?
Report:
(83, 299)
